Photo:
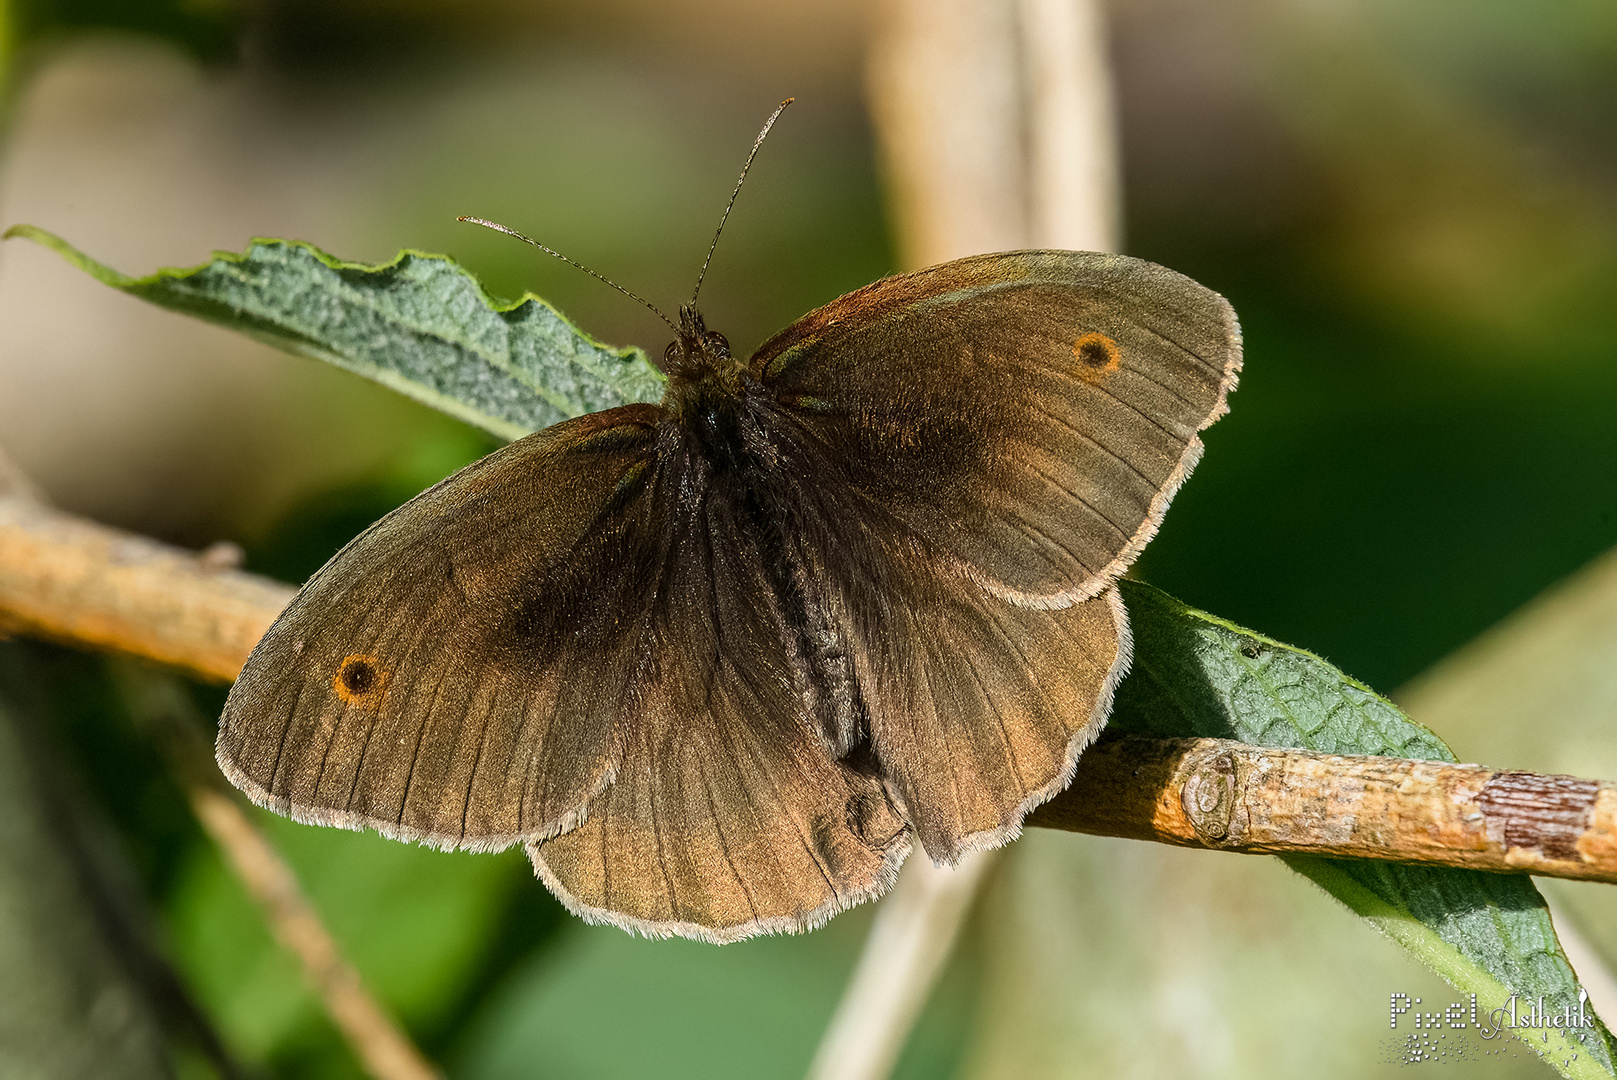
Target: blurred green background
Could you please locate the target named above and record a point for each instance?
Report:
(1412, 207)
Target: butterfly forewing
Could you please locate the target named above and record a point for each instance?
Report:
(990, 443)
(454, 675)
(1028, 414)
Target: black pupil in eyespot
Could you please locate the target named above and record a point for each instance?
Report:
(358, 677)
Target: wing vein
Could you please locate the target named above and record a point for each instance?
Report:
(654, 811)
(724, 841)
(999, 717)
(1091, 507)
(286, 733)
(1097, 444)
(415, 751)
(471, 781)
(1196, 356)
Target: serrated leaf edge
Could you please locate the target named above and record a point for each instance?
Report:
(291, 341)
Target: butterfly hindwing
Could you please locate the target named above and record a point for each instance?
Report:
(979, 709)
(729, 815)
(973, 708)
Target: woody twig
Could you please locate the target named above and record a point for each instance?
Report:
(70, 580)
(74, 581)
(1229, 796)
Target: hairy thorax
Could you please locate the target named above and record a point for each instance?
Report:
(702, 375)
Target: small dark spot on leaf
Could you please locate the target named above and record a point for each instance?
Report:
(1252, 648)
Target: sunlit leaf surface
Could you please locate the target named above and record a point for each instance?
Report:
(419, 324)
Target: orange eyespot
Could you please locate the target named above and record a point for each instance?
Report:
(1096, 354)
(360, 680)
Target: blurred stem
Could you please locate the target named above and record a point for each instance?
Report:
(997, 130)
(905, 953)
(945, 97)
(158, 701)
(1074, 198)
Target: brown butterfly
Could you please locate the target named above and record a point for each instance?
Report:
(716, 661)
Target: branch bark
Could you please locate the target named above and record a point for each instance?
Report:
(70, 579)
(1229, 796)
(80, 583)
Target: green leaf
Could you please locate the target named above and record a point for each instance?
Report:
(1488, 934)
(419, 324)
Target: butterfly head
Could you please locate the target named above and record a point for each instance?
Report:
(699, 365)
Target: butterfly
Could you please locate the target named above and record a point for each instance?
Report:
(719, 662)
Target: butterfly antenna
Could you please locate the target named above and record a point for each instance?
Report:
(756, 143)
(507, 230)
